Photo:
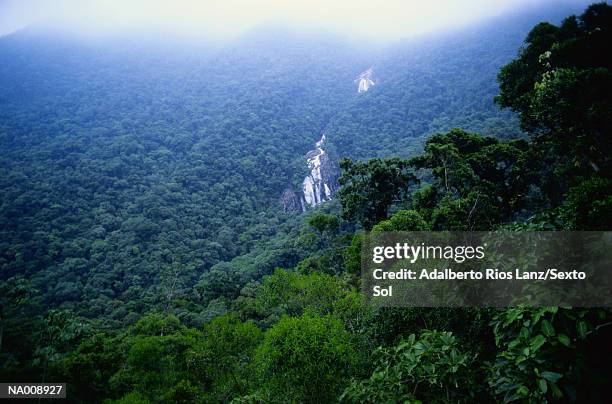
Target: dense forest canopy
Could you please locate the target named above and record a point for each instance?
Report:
(175, 159)
(145, 255)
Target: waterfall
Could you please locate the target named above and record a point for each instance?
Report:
(320, 184)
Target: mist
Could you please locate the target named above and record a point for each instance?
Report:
(377, 20)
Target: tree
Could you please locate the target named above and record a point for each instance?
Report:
(404, 220)
(88, 368)
(540, 353)
(560, 85)
(20, 323)
(223, 280)
(60, 333)
(14, 294)
(222, 360)
(370, 188)
(305, 359)
(324, 223)
(588, 206)
(292, 293)
(478, 182)
(156, 361)
(432, 368)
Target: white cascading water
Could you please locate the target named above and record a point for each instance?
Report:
(364, 81)
(322, 181)
(315, 189)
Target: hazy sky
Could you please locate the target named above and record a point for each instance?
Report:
(380, 19)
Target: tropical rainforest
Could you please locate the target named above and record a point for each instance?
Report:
(145, 255)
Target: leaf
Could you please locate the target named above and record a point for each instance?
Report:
(547, 328)
(582, 329)
(543, 385)
(551, 376)
(564, 339)
(537, 342)
(556, 392)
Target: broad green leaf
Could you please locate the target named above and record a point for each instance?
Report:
(543, 385)
(564, 339)
(537, 342)
(547, 328)
(551, 376)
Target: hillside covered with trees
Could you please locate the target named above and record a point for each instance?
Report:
(145, 255)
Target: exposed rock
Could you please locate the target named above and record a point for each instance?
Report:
(322, 182)
(365, 81)
(290, 201)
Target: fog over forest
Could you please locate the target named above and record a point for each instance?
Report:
(375, 20)
(187, 187)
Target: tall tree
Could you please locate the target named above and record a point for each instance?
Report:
(370, 188)
(561, 86)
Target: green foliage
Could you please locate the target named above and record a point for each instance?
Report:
(404, 220)
(141, 231)
(61, 332)
(291, 293)
(159, 359)
(537, 352)
(124, 180)
(478, 182)
(131, 398)
(223, 280)
(560, 85)
(183, 393)
(305, 359)
(324, 223)
(18, 316)
(352, 255)
(432, 368)
(370, 188)
(589, 205)
(88, 368)
(156, 364)
(438, 87)
(387, 325)
(223, 357)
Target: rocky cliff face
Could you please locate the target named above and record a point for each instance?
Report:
(365, 81)
(290, 201)
(321, 183)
